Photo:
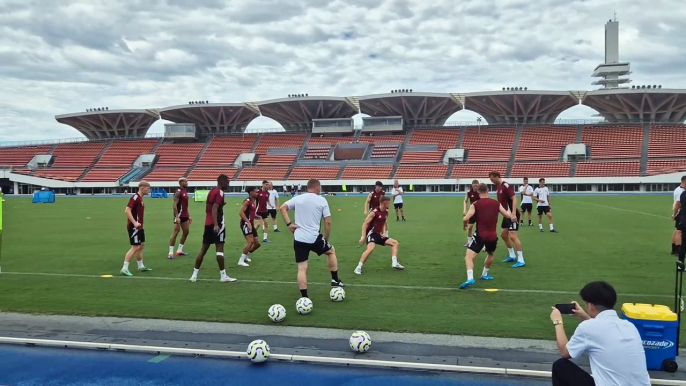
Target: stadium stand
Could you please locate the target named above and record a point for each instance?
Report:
(166, 174)
(385, 151)
(317, 152)
(81, 154)
(122, 153)
(332, 141)
(279, 141)
(223, 151)
(20, 156)
(477, 170)
(421, 157)
(422, 171)
(178, 154)
(104, 174)
(613, 142)
(607, 169)
(444, 138)
(60, 174)
(663, 166)
(366, 172)
(667, 142)
(276, 160)
(320, 173)
(544, 143)
(491, 144)
(210, 174)
(262, 173)
(399, 138)
(540, 170)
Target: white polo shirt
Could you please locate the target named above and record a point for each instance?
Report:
(542, 194)
(309, 209)
(273, 196)
(526, 199)
(615, 350)
(399, 198)
(677, 193)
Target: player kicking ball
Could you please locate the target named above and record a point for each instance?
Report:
(484, 212)
(373, 228)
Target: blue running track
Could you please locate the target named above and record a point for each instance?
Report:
(34, 366)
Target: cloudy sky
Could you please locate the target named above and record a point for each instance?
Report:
(65, 56)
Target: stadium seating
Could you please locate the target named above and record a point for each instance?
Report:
(178, 154)
(279, 141)
(166, 174)
(332, 141)
(210, 174)
(444, 138)
(320, 173)
(667, 142)
(60, 174)
(122, 153)
(81, 154)
(479, 171)
(223, 151)
(366, 172)
(421, 171)
(385, 151)
(421, 157)
(104, 174)
(607, 169)
(383, 139)
(488, 144)
(544, 143)
(540, 170)
(20, 156)
(613, 142)
(317, 152)
(262, 173)
(665, 166)
(276, 160)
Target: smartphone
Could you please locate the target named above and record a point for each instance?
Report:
(566, 308)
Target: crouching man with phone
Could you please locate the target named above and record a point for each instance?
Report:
(614, 346)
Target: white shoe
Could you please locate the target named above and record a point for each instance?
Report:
(358, 271)
(227, 279)
(193, 279)
(397, 266)
(243, 264)
(248, 260)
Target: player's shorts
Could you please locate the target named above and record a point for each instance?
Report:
(136, 236)
(398, 205)
(509, 225)
(272, 212)
(183, 220)
(262, 215)
(302, 250)
(210, 237)
(247, 231)
(478, 244)
(543, 209)
(679, 224)
(376, 238)
(527, 208)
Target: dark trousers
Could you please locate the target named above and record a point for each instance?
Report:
(682, 247)
(567, 373)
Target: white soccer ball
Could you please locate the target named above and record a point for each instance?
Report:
(303, 306)
(360, 342)
(258, 351)
(277, 313)
(337, 294)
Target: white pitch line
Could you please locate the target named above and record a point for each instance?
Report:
(381, 286)
(620, 209)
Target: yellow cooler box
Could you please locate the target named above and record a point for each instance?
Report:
(658, 327)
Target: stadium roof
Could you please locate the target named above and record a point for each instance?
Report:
(633, 105)
(416, 108)
(509, 107)
(298, 113)
(110, 123)
(212, 117)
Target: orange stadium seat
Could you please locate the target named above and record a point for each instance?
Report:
(223, 151)
(381, 138)
(366, 172)
(608, 142)
(317, 152)
(607, 169)
(665, 166)
(384, 151)
(540, 170)
(421, 157)
(262, 173)
(320, 173)
(166, 174)
(279, 141)
(104, 174)
(491, 144)
(210, 174)
(20, 156)
(667, 142)
(544, 143)
(331, 141)
(422, 171)
(122, 153)
(178, 154)
(76, 154)
(479, 171)
(276, 160)
(60, 174)
(444, 138)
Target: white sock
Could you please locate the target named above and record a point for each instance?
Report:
(222, 273)
(276, 227)
(551, 226)
(171, 250)
(180, 249)
(243, 257)
(540, 226)
(359, 265)
(126, 266)
(485, 273)
(520, 257)
(469, 239)
(140, 264)
(195, 272)
(470, 274)
(394, 259)
(511, 251)
(265, 234)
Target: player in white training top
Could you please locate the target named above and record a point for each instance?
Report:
(542, 197)
(676, 236)
(310, 208)
(273, 204)
(525, 193)
(397, 193)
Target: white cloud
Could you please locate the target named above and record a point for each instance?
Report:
(66, 56)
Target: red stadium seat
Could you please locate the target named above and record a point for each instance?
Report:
(667, 142)
(210, 174)
(422, 171)
(166, 174)
(122, 153)
(489, 143)
(544, 143)
(331, 141)
(178, 154)
(80, 154)
(20, 156)
(421, 157)
(607, 169)
(262, 173)
(366, 172)
(479, 171)
(540, 170)
(385, 151)
(317, 152)
(223, 151)
(612, 142)
(104, 174)
(444, 138)
(366, 138)
(655, 167)
(70, 175)
(308, 172)
(279, 141)
(276, 160)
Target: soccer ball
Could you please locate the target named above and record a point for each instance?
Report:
(337, 294)
(258, 351)
(277, 313)
(360, 342)
(303, 306)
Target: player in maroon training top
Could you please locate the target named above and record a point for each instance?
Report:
(262, 216)
(373, 230)
(484, 213)
(508, 199)
(215, 229)
(374, 197)
(471, 197)
(247, 224)
(134, 226)
(182, 218)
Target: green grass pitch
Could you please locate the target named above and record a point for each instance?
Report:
(621, 239)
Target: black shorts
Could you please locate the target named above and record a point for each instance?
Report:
(262, 215)
(210, 237)
(679, 224)
(136, 236)
(509, 225)
(543, 209)
(272, 212)
(527, 208)
(376, 238)
(183, 219)
(302, 250)
(478, 244)
(398, 205)
(247, 231)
